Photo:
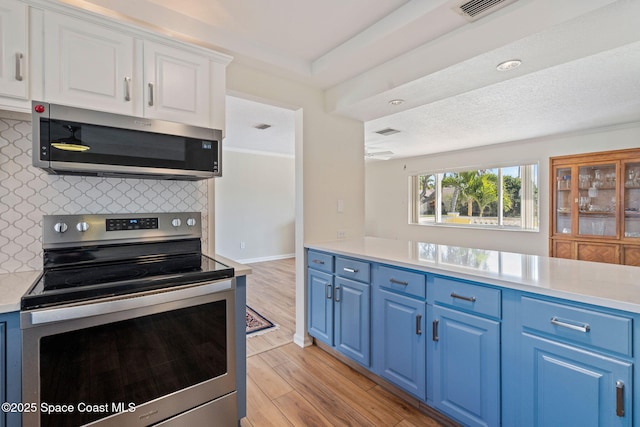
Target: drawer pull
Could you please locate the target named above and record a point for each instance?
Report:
(317, 261)
(580, 328)
(328, 291)
(620, 398)
(434, 331)
(418, 323)
(336, 294)
(470, 299)
(398, 282)
(350, 270)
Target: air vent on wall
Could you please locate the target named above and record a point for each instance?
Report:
(387, 131)
(475, 9)
(262, 126)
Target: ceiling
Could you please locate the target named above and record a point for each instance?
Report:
(580, 64)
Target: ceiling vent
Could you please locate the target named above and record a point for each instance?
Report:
(262, 126)
(475, 9)
(387, 131)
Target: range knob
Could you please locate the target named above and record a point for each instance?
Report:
(60, 227)
(191, 222)
(82, 226)
(176, 222)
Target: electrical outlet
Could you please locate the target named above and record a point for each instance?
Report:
(242, 245)
(342, 234)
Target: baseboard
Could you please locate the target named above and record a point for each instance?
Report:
(263, 259)
(302, 341)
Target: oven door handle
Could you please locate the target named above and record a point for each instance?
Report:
(125, 302)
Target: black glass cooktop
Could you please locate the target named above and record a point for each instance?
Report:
(88, 273)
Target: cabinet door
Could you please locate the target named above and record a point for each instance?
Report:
(320, 309)
(597, 200)
(176, 85)
(3, 369)
(87, 65)
(466, 367)
(401, 342)
(10, 366)
(352, 331)
(13, 49)
(567, 386)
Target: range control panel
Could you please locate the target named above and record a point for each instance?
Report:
(69, 230)
(132, 224)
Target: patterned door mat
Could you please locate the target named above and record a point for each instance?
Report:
(257, 324)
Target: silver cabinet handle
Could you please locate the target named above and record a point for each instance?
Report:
(336, 294)
(398, 282)
(580, 328)
(418, 324)
(19, 57)
(350, 270)
(150, 94)
(620, 398)
(317, 261)
(434, 331)
(328, 291)
(127, 89)
(470, 299)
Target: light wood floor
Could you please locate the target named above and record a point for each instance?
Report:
(271, 290)
(291, 386)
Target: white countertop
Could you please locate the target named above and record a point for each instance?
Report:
(607, 285)
(13, 286)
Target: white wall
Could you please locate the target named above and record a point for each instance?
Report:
(255, 204)
(387, 193)
(329, 166)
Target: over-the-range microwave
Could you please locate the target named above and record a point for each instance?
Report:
(68, 140)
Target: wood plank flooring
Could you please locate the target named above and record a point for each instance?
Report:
(271, 290)
(291, 386)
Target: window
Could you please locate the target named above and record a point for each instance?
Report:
(505, 197)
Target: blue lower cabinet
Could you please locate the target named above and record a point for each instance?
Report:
(563, 385)
(352, 326)
(465, 355)
(320, 309)
(400, 341)
(10, 367)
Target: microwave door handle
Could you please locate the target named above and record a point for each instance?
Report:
(150, 94)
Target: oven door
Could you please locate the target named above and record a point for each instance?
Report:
(132, 361)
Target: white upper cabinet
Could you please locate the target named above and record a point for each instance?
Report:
(88, 65)
(13, 49)
(108, 66)
(177, 85)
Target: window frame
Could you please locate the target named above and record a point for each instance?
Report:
(529, 200)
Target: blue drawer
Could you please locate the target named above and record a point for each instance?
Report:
(403, 281)
(320, 261)
(591, 328)
(467, 296)
(353, 269)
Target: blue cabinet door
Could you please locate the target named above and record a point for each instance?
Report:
(10, 366)
(564, 385)
(352, 328)
(320, 309)
(465, 352)
(400, 343)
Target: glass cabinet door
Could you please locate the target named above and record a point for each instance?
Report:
(563, 200)
(597, 200)
(632, 200)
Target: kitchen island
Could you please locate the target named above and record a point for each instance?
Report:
(485, 337)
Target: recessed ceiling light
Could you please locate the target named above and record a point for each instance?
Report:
(509, 65)
(396, 101)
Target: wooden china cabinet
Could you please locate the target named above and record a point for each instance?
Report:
(595, 207)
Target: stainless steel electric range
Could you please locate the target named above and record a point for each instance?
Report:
(129, 324)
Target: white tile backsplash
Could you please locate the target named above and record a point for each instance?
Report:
(27, 193)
